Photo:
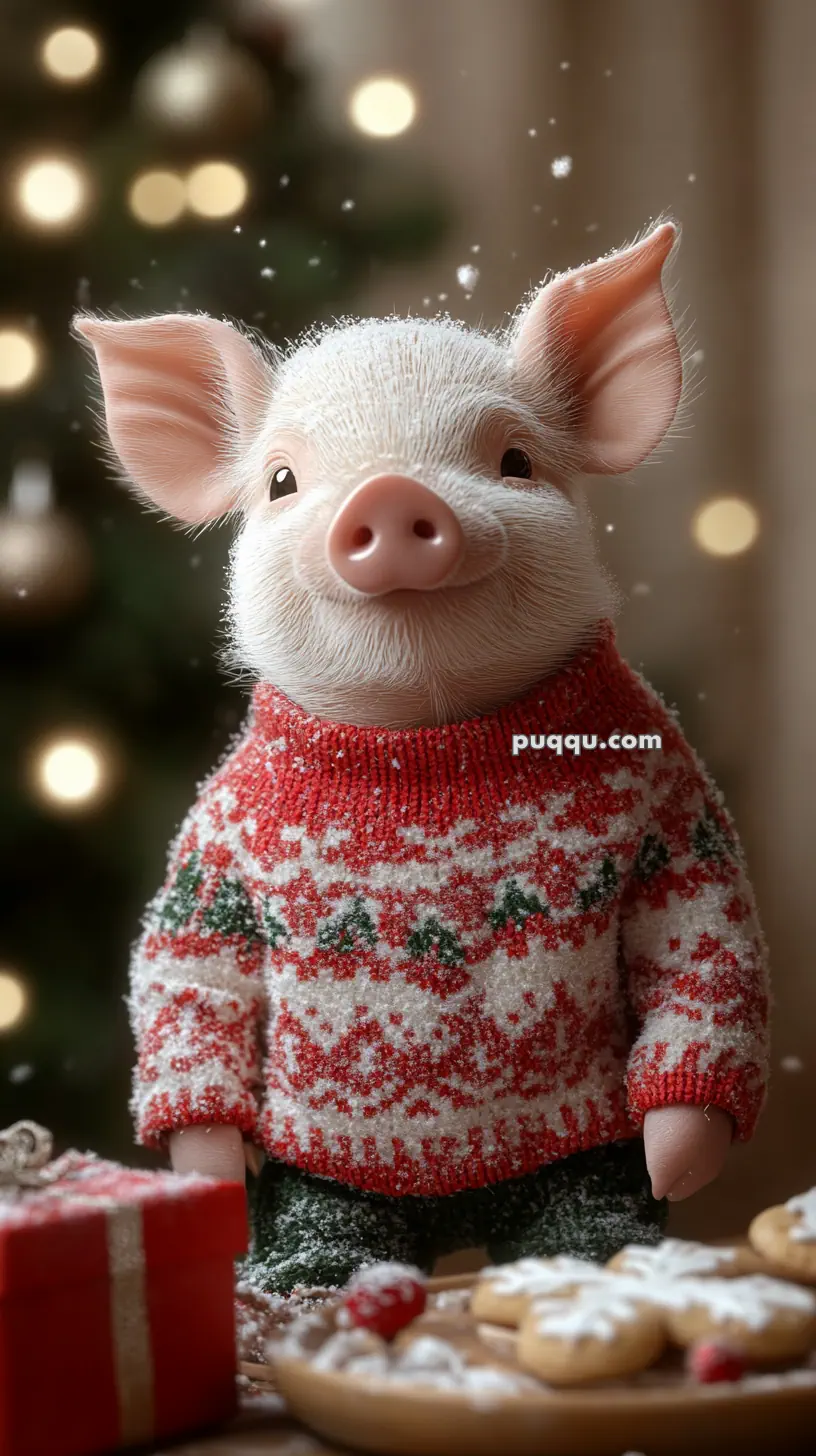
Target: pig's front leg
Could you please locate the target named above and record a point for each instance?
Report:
(215, 1151)
(686, 1148)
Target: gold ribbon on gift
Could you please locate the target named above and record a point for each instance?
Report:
(25, 1151)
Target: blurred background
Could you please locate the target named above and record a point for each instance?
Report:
(282, 161)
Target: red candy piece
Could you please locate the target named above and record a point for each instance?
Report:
(711, 1363)
(384, 1298)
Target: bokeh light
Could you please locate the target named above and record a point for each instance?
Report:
(52, 192)
(157, 198)
(725, 526)
(216, 189)
(13, 999)
(19, 360)
(70, 54)
(71, 772)
(382, 106)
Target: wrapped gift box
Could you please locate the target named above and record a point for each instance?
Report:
(116, 1306)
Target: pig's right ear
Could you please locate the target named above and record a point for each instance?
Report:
(182, 394)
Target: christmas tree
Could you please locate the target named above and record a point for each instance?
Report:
(157, 158)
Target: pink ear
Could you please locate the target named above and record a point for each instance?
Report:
(608, 324)
(182, 393)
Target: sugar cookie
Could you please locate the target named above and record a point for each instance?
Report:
(683, 1259)
(786, 1236)
(503, 1294)
(601, 1333)
(764, 1319)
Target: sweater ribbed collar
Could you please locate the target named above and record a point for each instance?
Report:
(477, 748)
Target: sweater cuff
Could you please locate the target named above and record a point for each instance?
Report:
(160, 1113)
(672, 1089)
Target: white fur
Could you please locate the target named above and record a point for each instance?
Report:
(432, 399)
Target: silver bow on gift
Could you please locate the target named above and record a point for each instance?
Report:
(25, 1148)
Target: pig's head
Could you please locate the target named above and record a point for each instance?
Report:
(413, 546)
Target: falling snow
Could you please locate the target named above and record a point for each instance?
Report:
(195, 561)
(610, 526)
(692, 176)
(442, 297)
(561, 166)
(23, 1072)
(262, 243)
(237, 228)
(565, 65)
(348, 205)
(284, 181)
(532, 131)
(475, 247)
(591, 227)
(314, 262)
(467, 276)
(792, 1064)
(697, 357)
(267, 272)
(608, 72)
(641, 589)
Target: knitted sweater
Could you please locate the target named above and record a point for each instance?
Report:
(415, 962)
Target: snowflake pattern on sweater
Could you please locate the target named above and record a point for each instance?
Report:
(414, 962)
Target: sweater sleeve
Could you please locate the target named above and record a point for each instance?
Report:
(694, 955)
(196, 986)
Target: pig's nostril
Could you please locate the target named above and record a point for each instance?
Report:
(425, 529)
(361, 537)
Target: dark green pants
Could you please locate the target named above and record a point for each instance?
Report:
(310, 1230)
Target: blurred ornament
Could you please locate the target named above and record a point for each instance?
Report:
(45, 561)
(72, 771)
(725, 526)
(19, 360)
(259, 22)
(70, 54)
(14, 1000)
(382, 106)
(157, 198)
(51, 192)
(216, 189)
(203, 89)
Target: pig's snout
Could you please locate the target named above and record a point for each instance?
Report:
(393, 532)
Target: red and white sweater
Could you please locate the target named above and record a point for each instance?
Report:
(414, 962)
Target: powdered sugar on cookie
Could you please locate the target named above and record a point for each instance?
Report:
(803, 1232)
(673, 1259)
(752, 1301)
(545, 1276)
(593, 1313)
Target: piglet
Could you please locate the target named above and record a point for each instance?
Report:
(436, 925)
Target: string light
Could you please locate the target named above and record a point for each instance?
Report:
(13, 999)
(216, 189)
(52, 192)
(725, 526)
(157, 198)
(70, 54)
(382, 106)
(71, 772)
(19, 360)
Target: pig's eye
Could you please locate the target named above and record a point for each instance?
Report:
(516, 463)
(282, 483)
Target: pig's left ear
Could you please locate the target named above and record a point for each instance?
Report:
(606, 328)
(183, 393)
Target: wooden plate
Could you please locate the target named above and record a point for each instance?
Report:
(660, 1413)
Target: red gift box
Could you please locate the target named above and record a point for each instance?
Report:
(116, 1306)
